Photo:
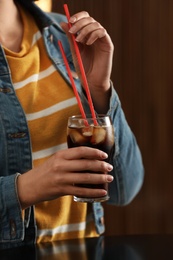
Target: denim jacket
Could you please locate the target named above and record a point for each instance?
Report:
(15, 146)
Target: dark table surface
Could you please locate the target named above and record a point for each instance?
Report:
(132, 247)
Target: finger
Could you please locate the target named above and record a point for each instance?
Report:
(91, 36)
(83, 191)
(81, 24)
(84, 178)
(88, 193)
(81, 153)
(87, 165)
(78, 16)
(92, 178)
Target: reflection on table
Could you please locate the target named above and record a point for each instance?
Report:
(139, 247)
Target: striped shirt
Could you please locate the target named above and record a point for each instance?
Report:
(47, 102)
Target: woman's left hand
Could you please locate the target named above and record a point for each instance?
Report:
(96, 50)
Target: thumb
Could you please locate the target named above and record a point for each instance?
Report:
(65, 28)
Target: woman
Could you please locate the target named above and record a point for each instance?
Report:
(37, 169)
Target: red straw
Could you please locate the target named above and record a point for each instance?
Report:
(81, 67)
(71, 79)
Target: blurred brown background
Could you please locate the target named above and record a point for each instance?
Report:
(142, 32)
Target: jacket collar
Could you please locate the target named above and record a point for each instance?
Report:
(42, 19)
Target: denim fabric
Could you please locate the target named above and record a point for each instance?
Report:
(15, 146)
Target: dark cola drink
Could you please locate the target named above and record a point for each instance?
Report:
(100, 136)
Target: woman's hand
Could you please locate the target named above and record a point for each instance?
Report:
(96, 50)
(56, 177)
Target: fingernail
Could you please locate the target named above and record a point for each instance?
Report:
(105, 193)
(110, 178)
(104, 155)
(110, 167)
(72, 19)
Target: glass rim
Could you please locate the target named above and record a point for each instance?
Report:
(89, 116)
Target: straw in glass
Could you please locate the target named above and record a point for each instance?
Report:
(72, 82)
(83, 75)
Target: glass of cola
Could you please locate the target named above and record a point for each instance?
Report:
(92, 132)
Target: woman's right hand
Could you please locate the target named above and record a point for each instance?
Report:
(56, 176)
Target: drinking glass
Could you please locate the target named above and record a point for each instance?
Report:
(92, 132)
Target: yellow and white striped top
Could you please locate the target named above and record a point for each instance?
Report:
(47, 101)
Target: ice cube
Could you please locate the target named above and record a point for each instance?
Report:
(87, 131)
(99, 135)
(76, 137)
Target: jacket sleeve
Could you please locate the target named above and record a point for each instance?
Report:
(11, 221)
(128, 169)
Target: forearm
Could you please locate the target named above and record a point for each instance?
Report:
(101, 99)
